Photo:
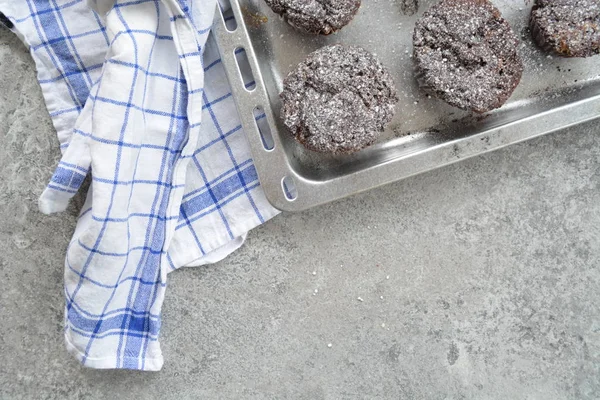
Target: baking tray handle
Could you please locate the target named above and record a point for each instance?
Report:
(252, 101)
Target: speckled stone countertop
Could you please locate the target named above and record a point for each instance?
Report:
(478, 281)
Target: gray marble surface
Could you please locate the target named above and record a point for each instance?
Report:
(479, 281)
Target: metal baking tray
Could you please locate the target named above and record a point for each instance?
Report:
(425, 134)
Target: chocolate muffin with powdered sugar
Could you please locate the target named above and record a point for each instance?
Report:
(338, 100)
(316, 16)
(466, 54)
(569, 28)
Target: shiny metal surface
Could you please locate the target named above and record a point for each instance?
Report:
(425, 134)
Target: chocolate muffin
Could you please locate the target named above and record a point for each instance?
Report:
(316, 16)
(466, 54)
(338, 100)
(570, 28)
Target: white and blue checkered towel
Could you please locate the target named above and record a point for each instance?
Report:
(173, 182)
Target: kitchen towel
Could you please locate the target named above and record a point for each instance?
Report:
(139, 99)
